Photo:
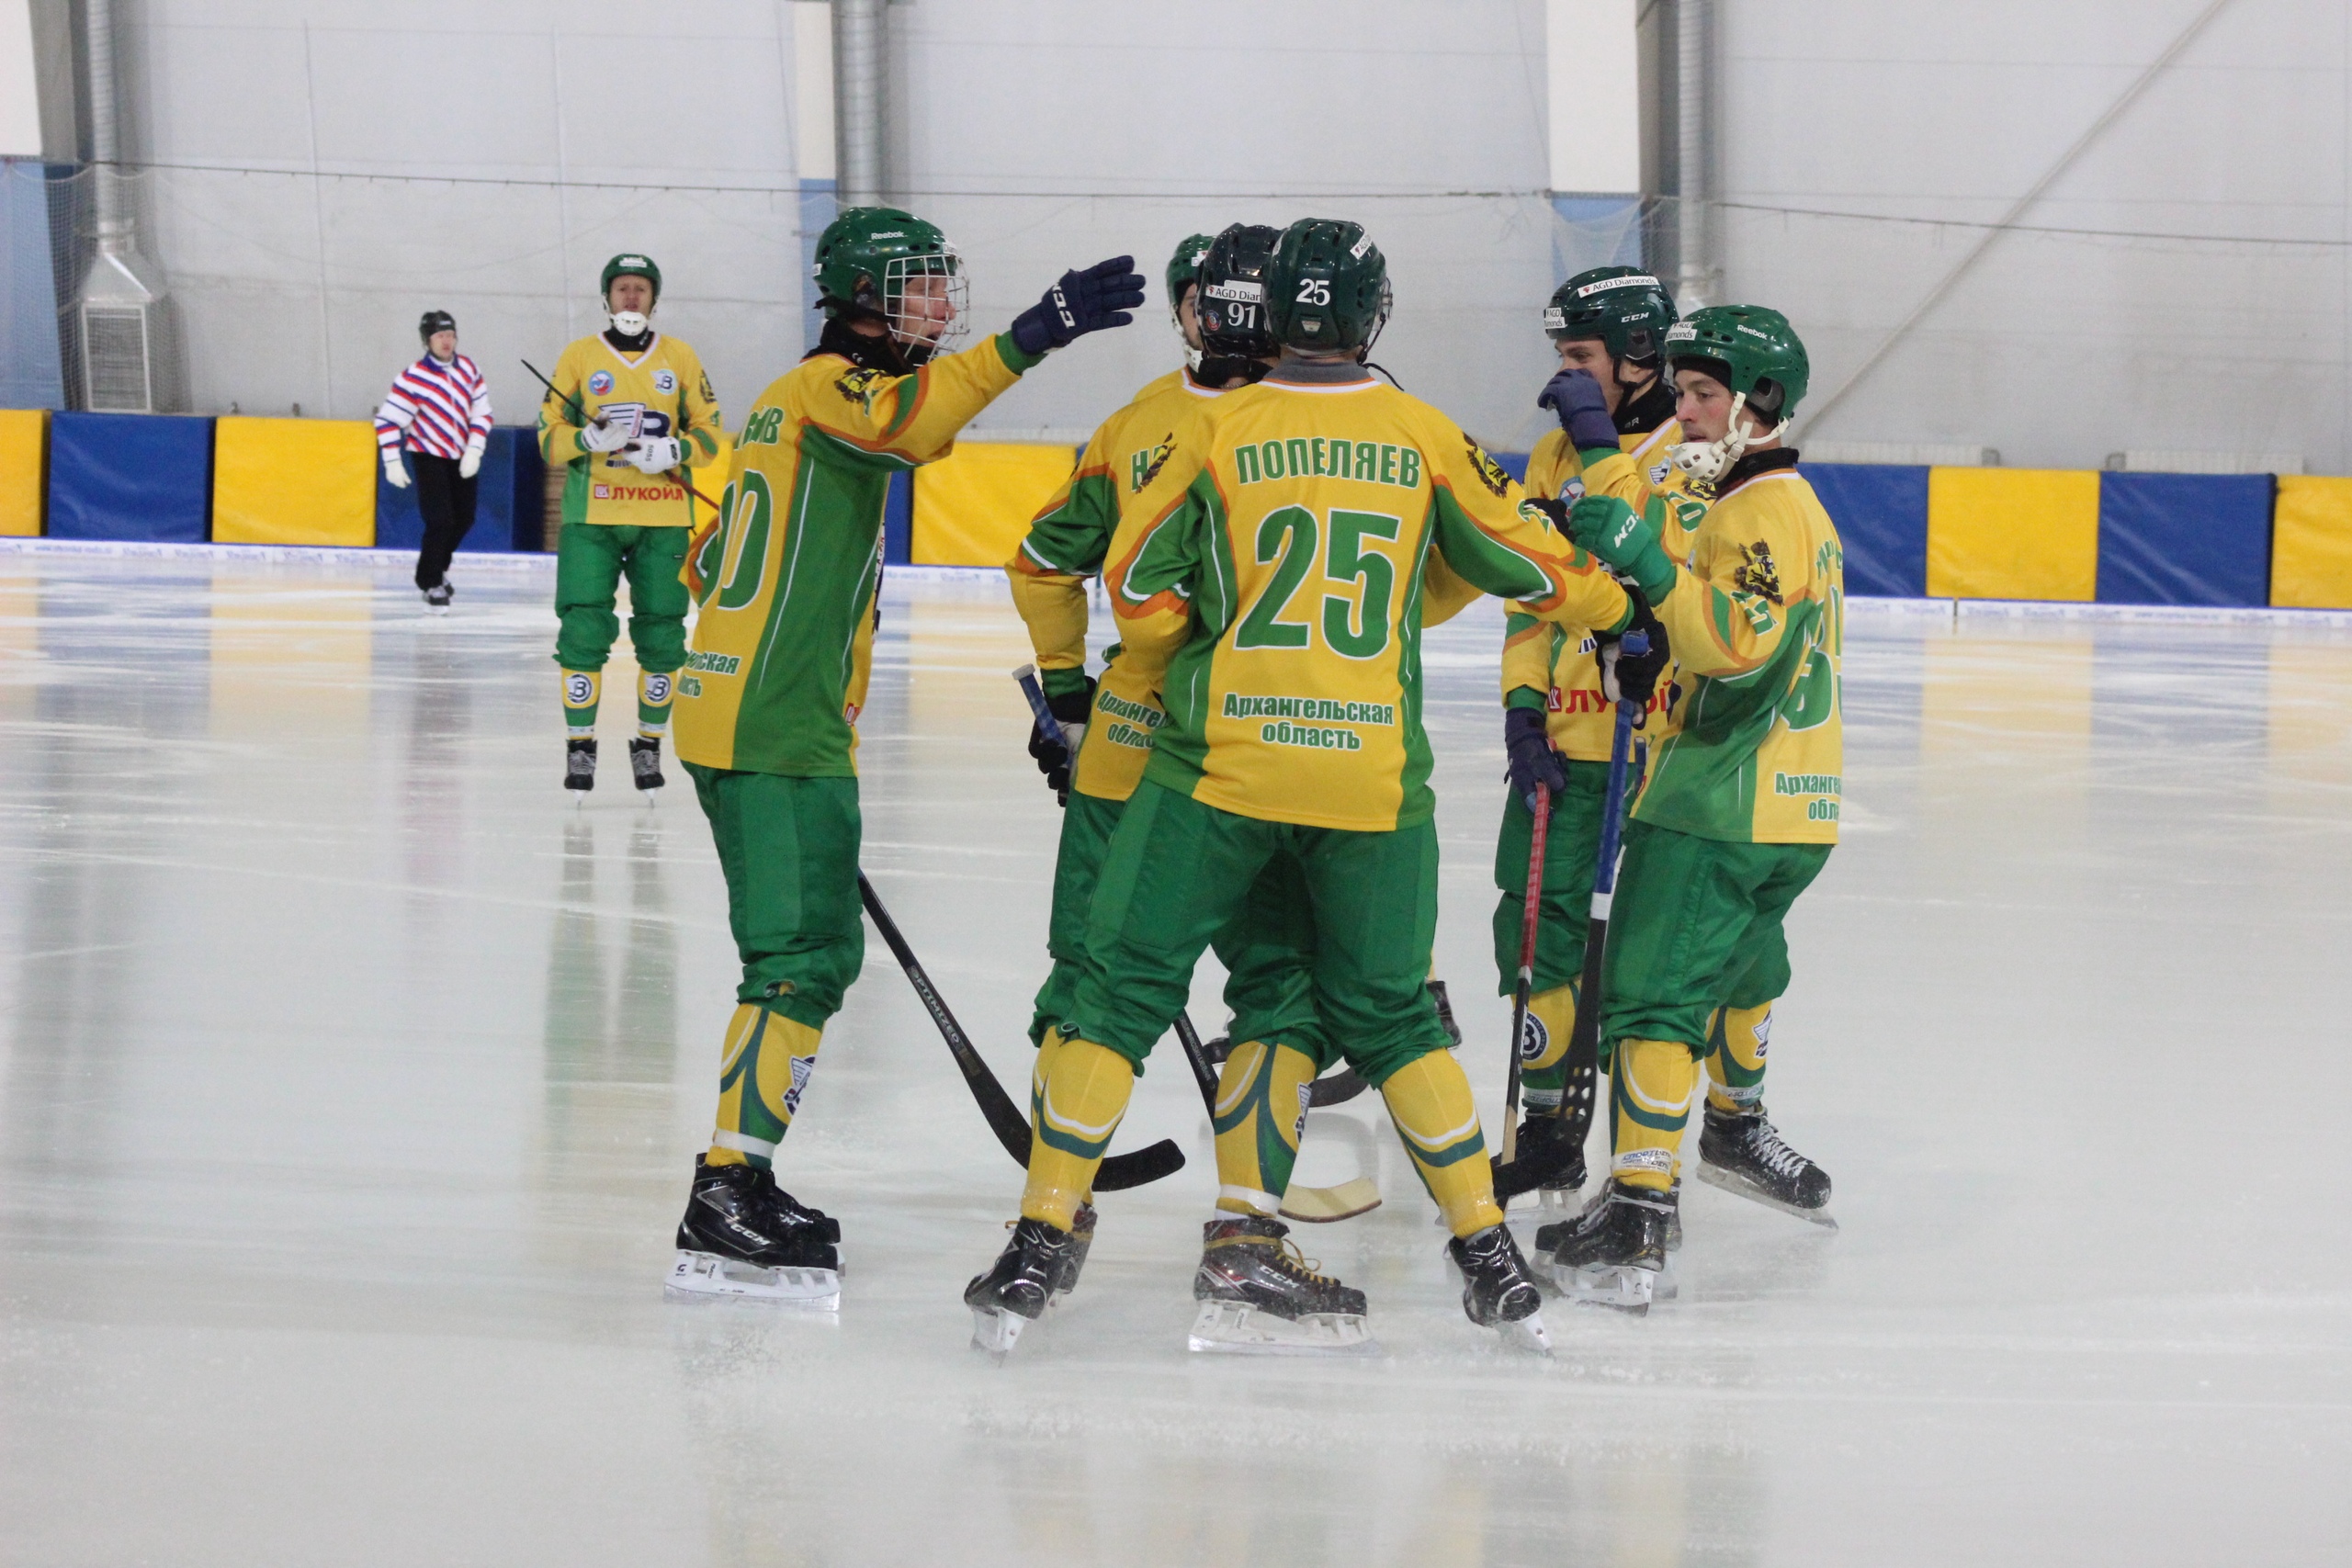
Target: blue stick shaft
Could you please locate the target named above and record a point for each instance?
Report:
(1047, 725)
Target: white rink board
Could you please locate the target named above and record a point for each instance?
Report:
(352, 1074)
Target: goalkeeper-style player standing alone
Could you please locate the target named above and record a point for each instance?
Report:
(630, 414)
(1280, 581)
(1740, 811)
(783, 648)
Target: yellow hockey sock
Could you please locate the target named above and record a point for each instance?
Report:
(1428, 1098)
(1736, 1048)
(1261, 1100)
(581, 690)
(1650, 1082)
(762, 1073)
(1072, 1113)
(1544, 1057)
(653, 693)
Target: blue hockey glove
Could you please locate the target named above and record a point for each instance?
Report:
(1583, 409)
(1532, 761)
(1081, 302)
(1070, 706)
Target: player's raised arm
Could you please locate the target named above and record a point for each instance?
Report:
(1491, 537)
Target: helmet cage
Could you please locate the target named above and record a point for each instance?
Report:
(916, 327)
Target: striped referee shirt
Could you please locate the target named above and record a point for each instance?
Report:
(440, 409)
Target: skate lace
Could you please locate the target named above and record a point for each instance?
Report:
(1288, 1260)
(1772, 1153)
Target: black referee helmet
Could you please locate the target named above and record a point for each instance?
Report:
(436, 322)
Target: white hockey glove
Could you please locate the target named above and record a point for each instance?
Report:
(654, 454)
(609, 435)
(470, 463)
(394, 475)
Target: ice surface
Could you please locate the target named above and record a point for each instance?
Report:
(353, 1073)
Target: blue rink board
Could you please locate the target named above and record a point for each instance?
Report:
(131, 476)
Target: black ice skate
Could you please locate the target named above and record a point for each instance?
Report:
(1745, 1154)
(1544, 1141)
(578, 764)
(1258, 1296)
(645, 763)
(1014, 1293)
(436, 598)
(1496, 1291)
(1081, 1238)
(743, 1235)
(1612, 1255)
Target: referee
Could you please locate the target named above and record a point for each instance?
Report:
(439, 410)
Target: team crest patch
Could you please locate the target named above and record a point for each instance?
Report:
(1150, 464)
(579, 691)
(664, 382)
(1490, 473)
(857, 387)
(1659, 472)
(1572, 490)
(1756, 572)
(600, 383)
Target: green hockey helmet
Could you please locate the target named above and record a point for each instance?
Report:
(1750, 349)
(892, 266)
(1184, 267)
(1627, 309)
(629, 264)
(1327, 288)
(1233, 298)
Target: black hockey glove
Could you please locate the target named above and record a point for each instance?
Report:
(1071, 707)
(1532, 761)
(1081, 302)
(1624, 673)
(1582, 408)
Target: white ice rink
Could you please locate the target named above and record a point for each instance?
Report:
(352, 1074)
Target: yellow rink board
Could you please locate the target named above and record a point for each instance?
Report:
(2012, 534)
(294, 481)
(973, 506)
(24, 470)
(2311, 542)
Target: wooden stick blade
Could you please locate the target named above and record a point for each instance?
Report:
(1327, 1206)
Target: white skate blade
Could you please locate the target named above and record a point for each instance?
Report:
(1560, 1203)
(1739, 1186)
(996, 1331)
(1527, 1335)
(1619, 1288)
(1234, 1329)
(1666, 1287)
(704, 1276)
(1325, 1205)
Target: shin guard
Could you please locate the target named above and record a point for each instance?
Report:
(1650, 1083)
(1428, 1098)
(582, 691)
(653, 693)
(1544, 1054)
(1072, 1113)
(1261, 1100)
(764, 1071)
(1736, 1048)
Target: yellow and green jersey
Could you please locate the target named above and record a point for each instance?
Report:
(1279, 580)
(1757, 620)
(662, 391)
(1067, 543)
(785, 580)
(1556, 667)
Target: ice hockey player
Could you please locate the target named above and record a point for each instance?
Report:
(1616, 427)
(1280, 575)
(1740, 810)
(629, 414)
(1267, 951)
(783, 648)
